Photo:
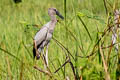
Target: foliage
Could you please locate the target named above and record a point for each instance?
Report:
(81, 33)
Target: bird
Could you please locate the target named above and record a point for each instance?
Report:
(44, 35)
(17, 1)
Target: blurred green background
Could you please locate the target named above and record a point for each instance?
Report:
(16, 60)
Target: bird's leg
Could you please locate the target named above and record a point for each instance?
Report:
(46, 55)
(37, 53)
(45, 63)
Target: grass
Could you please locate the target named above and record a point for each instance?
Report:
(16, 39)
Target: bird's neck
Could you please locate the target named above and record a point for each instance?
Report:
(52, 23)
(53, 18)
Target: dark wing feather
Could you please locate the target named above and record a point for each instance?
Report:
(40, 37)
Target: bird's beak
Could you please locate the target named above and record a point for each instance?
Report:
(58, 14)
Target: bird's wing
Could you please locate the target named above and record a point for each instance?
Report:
(41, 35)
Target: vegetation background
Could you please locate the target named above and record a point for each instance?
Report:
(79, 34)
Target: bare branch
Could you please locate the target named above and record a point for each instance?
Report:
(43, 71)
(62, 65)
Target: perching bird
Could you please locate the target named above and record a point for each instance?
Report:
(44, 35)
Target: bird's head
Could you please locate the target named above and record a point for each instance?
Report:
(53, 11)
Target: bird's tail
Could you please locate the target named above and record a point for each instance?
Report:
(34, 52)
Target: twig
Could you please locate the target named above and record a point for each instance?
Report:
(71, 64)
(46, 72)
(111, 45)
(62, 65)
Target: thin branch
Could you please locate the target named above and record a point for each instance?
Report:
(62, 65)
(111, 45)
(73, 69)
(43, 71)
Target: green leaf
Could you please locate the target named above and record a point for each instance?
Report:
(81, 14)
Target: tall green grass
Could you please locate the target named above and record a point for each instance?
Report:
(84, 24)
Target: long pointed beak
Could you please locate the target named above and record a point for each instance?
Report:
(58, 14)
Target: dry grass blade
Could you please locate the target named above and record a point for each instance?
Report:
(81, 78)
(21, 72)
(110, 49)
(9, 68)
(43, 71)
(104, 64)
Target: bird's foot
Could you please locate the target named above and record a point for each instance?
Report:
(37, 57)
